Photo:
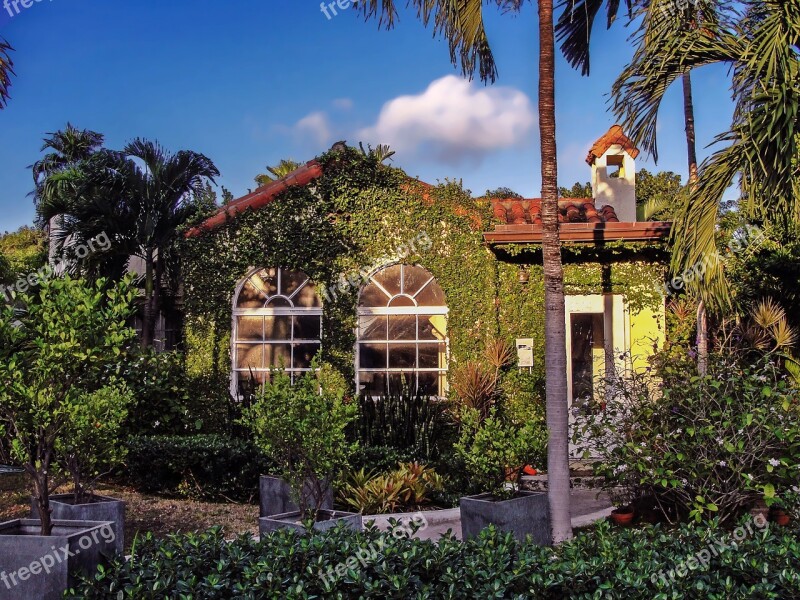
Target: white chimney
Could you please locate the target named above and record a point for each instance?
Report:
(613, 163)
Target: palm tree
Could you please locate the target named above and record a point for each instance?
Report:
(282, 169)
(139, 197)
(461, 23)
(761, 144)
(6, 71)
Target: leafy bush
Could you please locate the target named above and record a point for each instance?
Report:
(209, 467)
(613, 563)
(701, 445)
(89, 445)
(495, 452)
(161, 393)
(409, 424)
(302, 426)
(408, 487)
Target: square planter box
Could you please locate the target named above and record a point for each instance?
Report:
(12, 479)
(328, 520)
(526, 514)
(33, 566)
(101, 509)
(276, 497)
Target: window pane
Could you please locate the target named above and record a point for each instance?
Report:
(291, 281)
(432, 327)
(432, 356)
(372, 356)
(250, 297)
(431, 384)
(372, 328)
(278, 328)
(414, 278)
(402, 356)
(278, 356)
(372, 384)
(249, 381)
(250, 329)
(402, 301)
(249, 356)
(402, 327)
(266, 281)
(371, 295)
(307, 297)
(307, 328)
(389, 278)
(402, 382)
(432, 295)
(279, 302)
(304, 354)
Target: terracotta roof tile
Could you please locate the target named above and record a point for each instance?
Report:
(615, 135)
(514, 211)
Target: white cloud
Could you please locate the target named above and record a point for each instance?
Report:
(454, 120)
(315, 127)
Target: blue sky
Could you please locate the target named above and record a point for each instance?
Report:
(249, 82)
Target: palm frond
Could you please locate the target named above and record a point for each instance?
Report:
(6, 71)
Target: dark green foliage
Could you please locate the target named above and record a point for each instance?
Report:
(409, 424)
(578, 190)
(379, 458)
(211, 467)
(603, 563)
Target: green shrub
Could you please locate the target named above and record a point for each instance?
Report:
(702, 445)
(495, 452)
(408, 487)
(209, 467)
(410, 424)
(612, 563)
(302, 426)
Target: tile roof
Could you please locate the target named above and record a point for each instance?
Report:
(259, 198)
(514, 211)
(615, 135)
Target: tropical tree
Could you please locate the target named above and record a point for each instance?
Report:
(461, 23)
(139, 198)
(6, 71)
(282, 169)
(761, 145)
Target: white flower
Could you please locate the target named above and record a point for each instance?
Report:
(722, 463)
(774, 462)
(157, 423)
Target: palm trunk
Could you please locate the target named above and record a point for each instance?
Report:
(148, 314)
(555, 329)
(691, 144)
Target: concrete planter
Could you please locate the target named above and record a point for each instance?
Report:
(12, 479)
(101, 509)
(276, 497)
(526, 514)
(328, 520)
(35, 566)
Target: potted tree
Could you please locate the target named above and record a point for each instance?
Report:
(55, 349)
(302, 427)
(88, 449)
(494, 453)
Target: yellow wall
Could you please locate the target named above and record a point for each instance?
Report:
(647, 334)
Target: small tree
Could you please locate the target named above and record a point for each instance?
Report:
(302, 428)
(495, 452)
(89, 445)
(53, 354)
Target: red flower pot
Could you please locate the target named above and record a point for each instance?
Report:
(623, 516)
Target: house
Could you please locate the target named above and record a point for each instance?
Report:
(398, 282)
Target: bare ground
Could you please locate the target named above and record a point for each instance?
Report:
(159, 515)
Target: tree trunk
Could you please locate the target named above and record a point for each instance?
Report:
(41, 490)
(691, 145)
(555, 329)
(148, 314)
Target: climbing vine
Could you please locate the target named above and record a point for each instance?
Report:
(361, 211)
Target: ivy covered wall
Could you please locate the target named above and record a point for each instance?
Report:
(361, 213)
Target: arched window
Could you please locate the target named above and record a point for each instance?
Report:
(402, 333)
(277, 322)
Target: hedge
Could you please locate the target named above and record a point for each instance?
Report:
(209, 467)
(606, 562)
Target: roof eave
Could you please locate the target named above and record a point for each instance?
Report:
(582, 233)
